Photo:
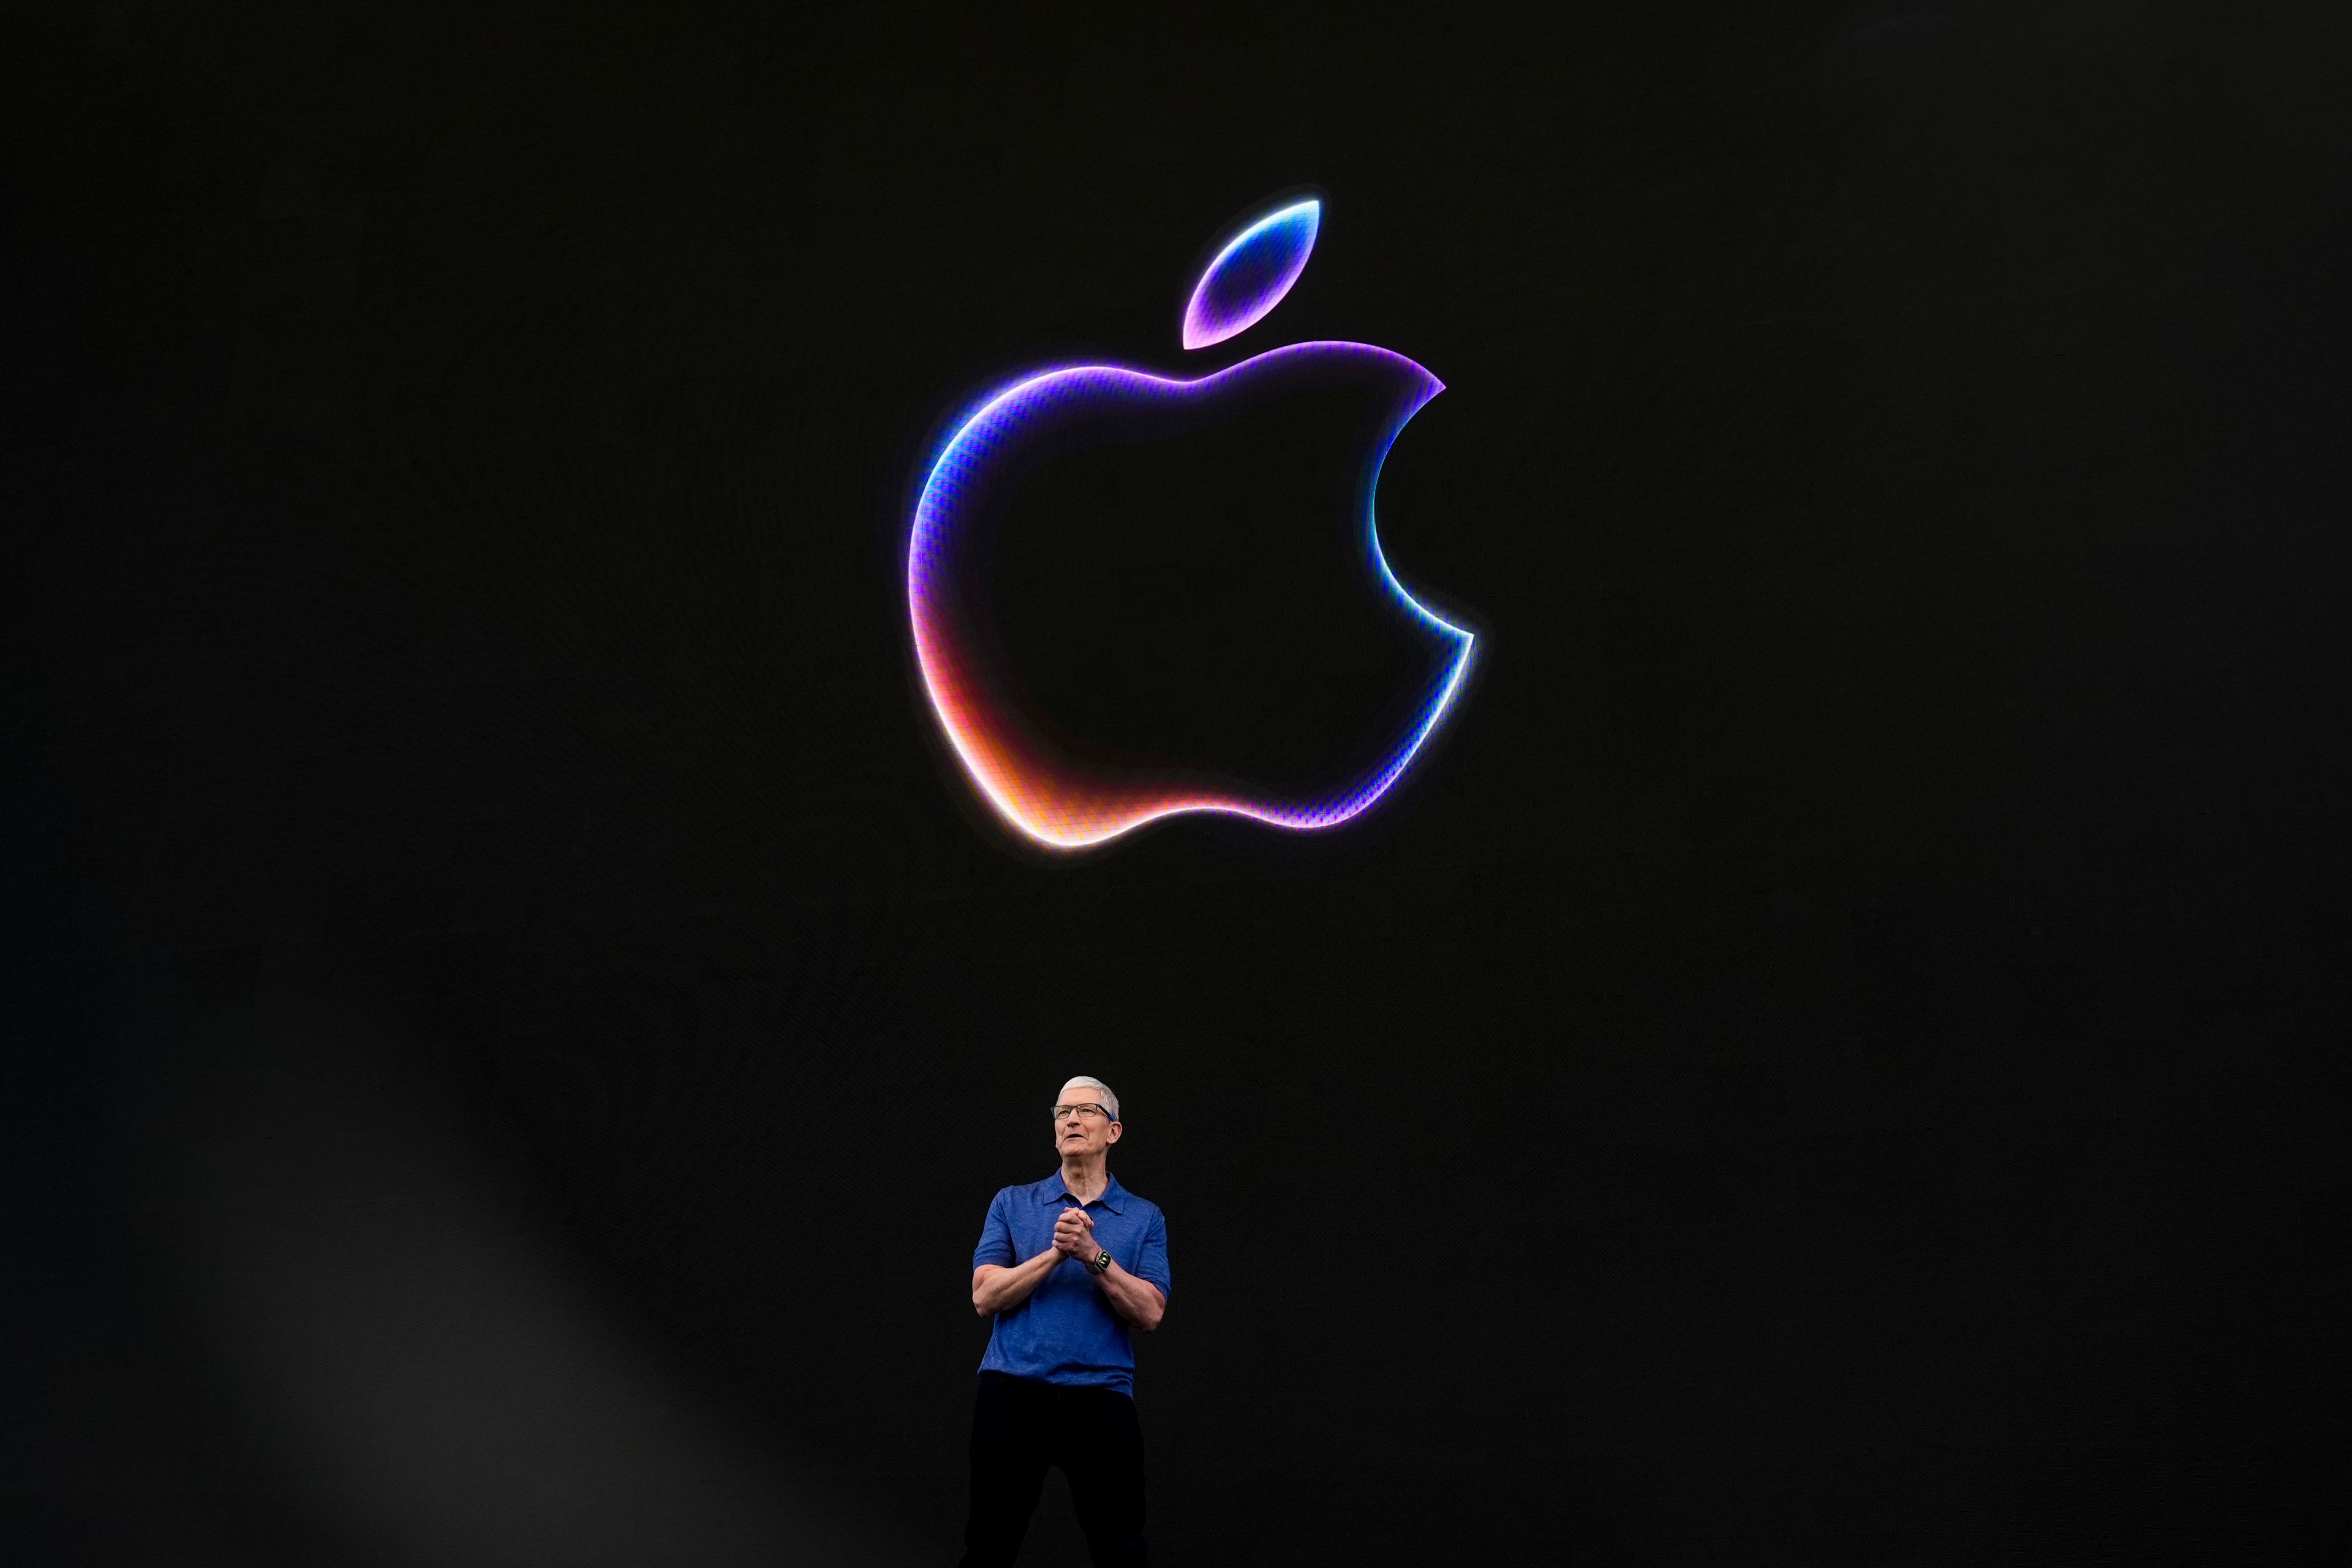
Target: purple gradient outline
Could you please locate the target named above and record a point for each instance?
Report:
(1018, 795)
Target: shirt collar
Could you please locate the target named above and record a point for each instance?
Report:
(1053, 1189)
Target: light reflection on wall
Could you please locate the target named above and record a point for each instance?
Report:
(430, 1381)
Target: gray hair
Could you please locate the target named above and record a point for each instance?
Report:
(1102, 1092)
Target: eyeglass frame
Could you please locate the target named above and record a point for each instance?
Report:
(1075, 1107)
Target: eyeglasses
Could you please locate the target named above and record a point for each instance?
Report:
(1089, 1109)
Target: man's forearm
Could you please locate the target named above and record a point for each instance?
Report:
(998, 1288)
(1134, 1298)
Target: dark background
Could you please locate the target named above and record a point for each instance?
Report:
(512, 1024)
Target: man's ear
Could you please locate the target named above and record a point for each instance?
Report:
(1115, 1129)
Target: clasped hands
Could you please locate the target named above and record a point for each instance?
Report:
(1074, 1236)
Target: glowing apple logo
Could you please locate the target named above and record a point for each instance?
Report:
(1045, 793)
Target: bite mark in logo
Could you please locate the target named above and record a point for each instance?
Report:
(1053, 799)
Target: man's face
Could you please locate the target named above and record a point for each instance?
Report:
(1081, 1126)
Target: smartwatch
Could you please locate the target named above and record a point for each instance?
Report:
(1101, 1264)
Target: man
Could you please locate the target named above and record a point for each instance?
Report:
(1067, 1267)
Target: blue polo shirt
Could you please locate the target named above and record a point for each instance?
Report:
(1065, 1330)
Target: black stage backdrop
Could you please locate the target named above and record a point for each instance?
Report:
(1835, 1056)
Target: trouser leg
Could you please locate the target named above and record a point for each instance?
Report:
(1103, 1455)
(1010, 1450)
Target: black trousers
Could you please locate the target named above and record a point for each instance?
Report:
(1020, 1425)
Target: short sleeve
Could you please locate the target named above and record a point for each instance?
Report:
(995, 1237)
(1152, 1265)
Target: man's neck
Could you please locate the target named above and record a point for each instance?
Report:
(1087, 1179)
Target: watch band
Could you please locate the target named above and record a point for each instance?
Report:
(1101, 1263)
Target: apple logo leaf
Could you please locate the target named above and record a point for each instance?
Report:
(1251, 274)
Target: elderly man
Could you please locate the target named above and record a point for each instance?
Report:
(1067, 1267)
